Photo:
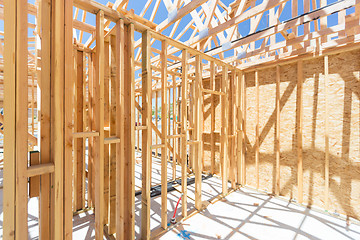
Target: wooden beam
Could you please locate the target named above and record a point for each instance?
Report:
(299, 119)
(277, 132)
(164, 151)
(243, 108)
(326, 82)
(224, 138)
(129, 132)
(179, 14)
(239, 120)
(68, 139)
(238, 19)
(40, 169)
(85, 134)
(213, 112)
(156, 118)
(114, 94)
(120, 126)
(146, 136)
(231, 123)
(34, 182)
(198, 131)
(183, 115)
(257, 128)
(99, 127)
(107, 128)
(45, 123)
(174, 127)
(57, 116)
(15, 76)
(79, 158)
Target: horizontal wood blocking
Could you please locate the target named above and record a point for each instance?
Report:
(40, 169)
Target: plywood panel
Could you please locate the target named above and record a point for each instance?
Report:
(267, 118)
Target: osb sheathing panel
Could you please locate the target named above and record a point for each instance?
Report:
(250, 129)
(267, 117)
(314, 132)
(344, 131)
(207, 126)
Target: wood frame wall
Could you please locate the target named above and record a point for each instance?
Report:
(107, 91)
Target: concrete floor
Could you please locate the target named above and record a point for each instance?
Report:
(243, 214)
(248, 214)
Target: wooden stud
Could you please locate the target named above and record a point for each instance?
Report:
(156, 118)
(34, 182)
(10, 74)
(231, 122)
(146, 136)
(99, 127)
(198, 131)
(174, 124)
(239, 148)
(257, 129)
(45, 134)
(79, 170)
(129, 132)
(277, 132)
(106, 126)
(32, 103)
(212, 140)
(120, 127)
(326, 82)
(192, 156)
(57, 116)
(243, 107)
(299, 119)
(164, 150)
(224, 136)
(114, 94)
(183, 116)
(93, 92)
(68, 139)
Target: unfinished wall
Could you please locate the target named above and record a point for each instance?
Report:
(211, 100)
(344, 131)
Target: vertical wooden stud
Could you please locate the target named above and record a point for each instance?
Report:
(164, 150)
(224, 136)
(79, 142)
(277, 132)
(99, 126)
(120, 128)
(45, 114)
(146, 136)
(257, 129)
(243, 107)
(10, 32)
(184, 73)
(326, 82)
(212, 140)
(231, 122)
(106, 131)
(68, 140)
(114, 94)
(15, 134)
(198, 131)
(239, 147)
(129, 132)
(57, 115)
(299, 117)
(174, 125)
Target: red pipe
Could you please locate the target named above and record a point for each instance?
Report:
(177, 204)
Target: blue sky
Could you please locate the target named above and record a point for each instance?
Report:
(162, 14)
(244, 27)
